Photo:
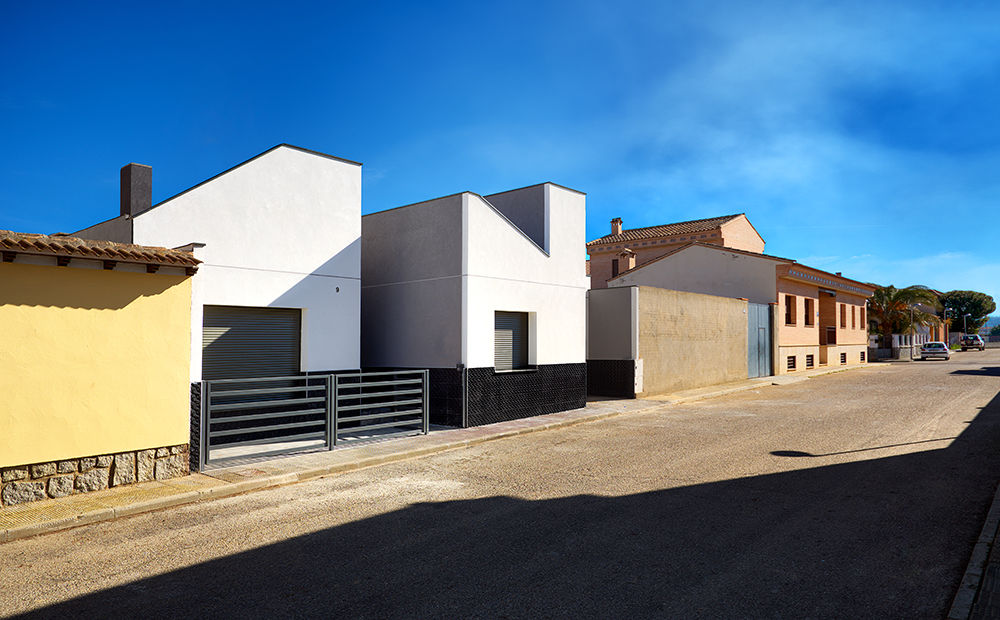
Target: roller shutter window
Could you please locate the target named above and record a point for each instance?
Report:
(510, 337)
(239, 342)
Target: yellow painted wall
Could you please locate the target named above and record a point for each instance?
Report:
(91, 362)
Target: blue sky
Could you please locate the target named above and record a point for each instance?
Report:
(858, 137)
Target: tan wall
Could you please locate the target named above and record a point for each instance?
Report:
(740, 234)
(689, 340)
(799, 334)
(93, 362)
(857, 335)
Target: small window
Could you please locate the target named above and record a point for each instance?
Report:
(843, 358)
(614, 267)
(510, 340)
(843, 316)
(854, 324)
(810, 307)
(810, 361)
(789, 309)
(862, 357)
(862, 316)
(791, 362)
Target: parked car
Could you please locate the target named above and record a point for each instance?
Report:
(934, 349)
(973, 341)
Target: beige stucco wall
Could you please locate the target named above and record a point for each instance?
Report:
(689, 340)
(740, 234)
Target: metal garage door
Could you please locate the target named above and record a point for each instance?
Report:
(239, 342)
(758, 340)
(510, 334)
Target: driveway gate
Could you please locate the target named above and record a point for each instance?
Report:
(261, 416)
(758, 340)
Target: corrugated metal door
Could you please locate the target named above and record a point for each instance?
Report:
(239, 342)
(510, 333)
(758, 340)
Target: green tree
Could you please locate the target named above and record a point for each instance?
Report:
(891, 309)
(977, 305)
(995, 330)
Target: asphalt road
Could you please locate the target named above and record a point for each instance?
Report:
(853, 495)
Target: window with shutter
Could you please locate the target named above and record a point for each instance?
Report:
(510, 339)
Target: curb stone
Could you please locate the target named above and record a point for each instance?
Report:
(968, 590)
(228, 489)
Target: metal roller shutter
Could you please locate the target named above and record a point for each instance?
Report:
(240, 342)
(510, 334)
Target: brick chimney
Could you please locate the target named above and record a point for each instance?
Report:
(137, 189)
(616, 226)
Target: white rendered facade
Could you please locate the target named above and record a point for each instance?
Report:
(282, 230)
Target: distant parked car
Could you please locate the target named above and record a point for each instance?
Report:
(935, 349)
(973, 341)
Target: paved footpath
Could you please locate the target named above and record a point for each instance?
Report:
(859, 494)
(59, 514)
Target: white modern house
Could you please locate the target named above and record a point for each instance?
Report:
(489, 293)
(279, 290)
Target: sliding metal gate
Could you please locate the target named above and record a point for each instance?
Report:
(263, 416)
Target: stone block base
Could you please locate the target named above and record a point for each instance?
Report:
(35, 481)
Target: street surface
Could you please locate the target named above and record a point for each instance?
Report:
(852, 495)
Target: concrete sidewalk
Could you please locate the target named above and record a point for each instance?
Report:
(58, 514)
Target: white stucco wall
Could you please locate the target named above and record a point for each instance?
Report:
(506, 271)
(699, 269)
(415, 255)
(283, 231)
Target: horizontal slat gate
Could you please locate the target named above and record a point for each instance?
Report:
(257, 416)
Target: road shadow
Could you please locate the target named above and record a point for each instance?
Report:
(881, 538)
(985, 371)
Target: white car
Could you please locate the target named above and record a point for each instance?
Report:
(935, 349)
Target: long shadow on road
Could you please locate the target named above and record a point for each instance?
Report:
(874, 538)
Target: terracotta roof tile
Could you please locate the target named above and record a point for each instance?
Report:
(64, 245)
(665, 230)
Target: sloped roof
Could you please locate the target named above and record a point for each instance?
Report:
(712, 246)
(62, 245)
(666, 230)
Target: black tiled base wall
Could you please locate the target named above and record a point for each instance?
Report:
(611, 378)
(498, 397)
(195, 445)
(446, 396)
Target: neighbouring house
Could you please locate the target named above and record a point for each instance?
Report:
(489, 293)
(644, 341)
(821, 317)
(279, 290)
(626, 249)
(95, 365)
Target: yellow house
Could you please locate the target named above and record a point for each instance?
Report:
(94, 364)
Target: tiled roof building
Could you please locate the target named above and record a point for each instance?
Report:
(624, 249)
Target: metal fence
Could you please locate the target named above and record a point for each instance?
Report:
(267, 416)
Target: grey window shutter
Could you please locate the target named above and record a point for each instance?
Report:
(239, 342)
(510, 335)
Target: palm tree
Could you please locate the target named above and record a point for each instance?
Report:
(892, 308)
